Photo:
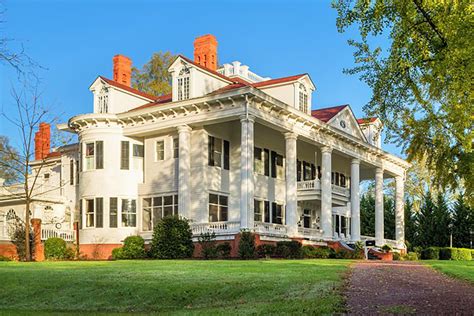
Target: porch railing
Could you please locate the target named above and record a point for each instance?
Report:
(67, 235)
(309, 185)
(340, 190)
(310, 232)
(216, 227)
(270, 229)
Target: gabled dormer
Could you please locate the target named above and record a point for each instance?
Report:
(372, 129)
(116, 96)
(192, 80)
(342, 118)
(296, 91)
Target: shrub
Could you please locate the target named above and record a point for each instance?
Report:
(411, 256)
(172, 239)
(266, 250)
(288, 249)
(208, 245)
(322, 252)
(133, 248)
(55, 249)
(387, 248)
(343, 254)
(224, 250)
(18, 239)
(472, 254)
(117, 253)
(397, 256)
(308, 252)
(247, 245)
(3, 258)
(430, 253)
(455, 254)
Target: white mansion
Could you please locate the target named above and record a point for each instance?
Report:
(227, 149)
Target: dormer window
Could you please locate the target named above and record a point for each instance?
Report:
(103, 100)
(303, 100)
(183, 84)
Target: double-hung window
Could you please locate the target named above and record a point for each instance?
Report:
(278, 171)
(138, 154)
(90, 214)
(262, 161)
(261, 211)
(129, 213)
(303, 99)
(160, 150)
(94, 155)
(278, 215)
(90, 149)
(218, 208)
(183, 84)
(218, 152)
(155, 208)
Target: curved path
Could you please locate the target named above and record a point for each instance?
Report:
(403, 287)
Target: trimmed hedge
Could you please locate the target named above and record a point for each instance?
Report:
(266, 250)
(172, 239)
(411, 256)
(455, 254)
(133, 248)
(247, 245)
(224, 250)
(3, 258)
(430, 253)
(312, 252)
(288, 249)
(56, 249)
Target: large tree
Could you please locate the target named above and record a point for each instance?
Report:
(8, 156)
(422, 84)
(367, 216)
(154, 78)
(463, 224)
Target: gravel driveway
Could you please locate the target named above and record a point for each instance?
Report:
(403, 287)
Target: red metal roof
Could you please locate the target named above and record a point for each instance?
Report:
(327, 114)
(129, 89)
(276, 81)
(366, 120)
(160, 100)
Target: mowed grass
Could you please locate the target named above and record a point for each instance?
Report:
(174, 287)
(459, 269)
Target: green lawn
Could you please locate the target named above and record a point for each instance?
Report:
(183, 287)
(458, 269)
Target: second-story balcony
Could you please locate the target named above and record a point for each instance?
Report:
(311, 189)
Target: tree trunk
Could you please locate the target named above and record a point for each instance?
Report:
(27, 231)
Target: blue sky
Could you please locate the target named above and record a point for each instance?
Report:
(74, 41)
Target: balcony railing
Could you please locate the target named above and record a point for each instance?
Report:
(309, 185)
(270, 229)
(216, 227)
(67, 235)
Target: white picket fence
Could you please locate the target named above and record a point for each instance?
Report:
(67, 235)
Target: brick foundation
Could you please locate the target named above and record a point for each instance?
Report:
(97, 251)
(7, 249)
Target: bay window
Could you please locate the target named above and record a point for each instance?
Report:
(90, 213)
(94, 155)
(218, 208)
(155, 208)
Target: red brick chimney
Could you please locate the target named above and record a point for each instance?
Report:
(122, 70)
(42, 141)
(205, 51)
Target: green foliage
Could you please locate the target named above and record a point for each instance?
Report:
(463, 223)
(266, 250)
(367, 216)
(3, 258)
(343, 254)
(411, 256)
(288, 249)
(430, 253)
(247, 245)
(224, 250)
(455, 254)
(154, 77)
(133, 248)
(410, 224)
(117, 253)
(10, 166)
(387, 248)
(397, 256)
(208, 245)
(311, 252)
(172, 239)
(18, 238)
(422, 84)
(55, 249)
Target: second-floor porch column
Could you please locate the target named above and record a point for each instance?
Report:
(379, 228)
(326, 192)
(246, 172)
(290, 182)
(399, 211)
(184, 171)
(355, 200)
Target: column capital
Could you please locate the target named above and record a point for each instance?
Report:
(355, 161)
(247, 118)
(290, 135)
(379, 170)
(399, 178)
(326, 149)
(183, 128)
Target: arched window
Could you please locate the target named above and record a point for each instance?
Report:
(303, 100)
(104, 100)
(11, 215)
(183, 84)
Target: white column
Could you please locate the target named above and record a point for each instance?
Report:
(184, 171)
(326, 193)
(379, 230)
(355, 200)
(246, 172)
(291, 209)
(399, 212)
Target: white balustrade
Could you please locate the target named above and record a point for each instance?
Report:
(270, 229)
(67, 235)
(340, 190)
(309, 185)
(310, 232)
(216, 227)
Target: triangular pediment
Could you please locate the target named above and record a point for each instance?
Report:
(347, 122)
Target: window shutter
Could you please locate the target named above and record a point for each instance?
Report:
(80, 214)
(274, 162)
(80, 157)
(99, 154)
(313, 172)
(226, 155)
(298, 170)
(113, 212)
(266, 161)
(125, 155)
(210, 151)
(99, 212)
